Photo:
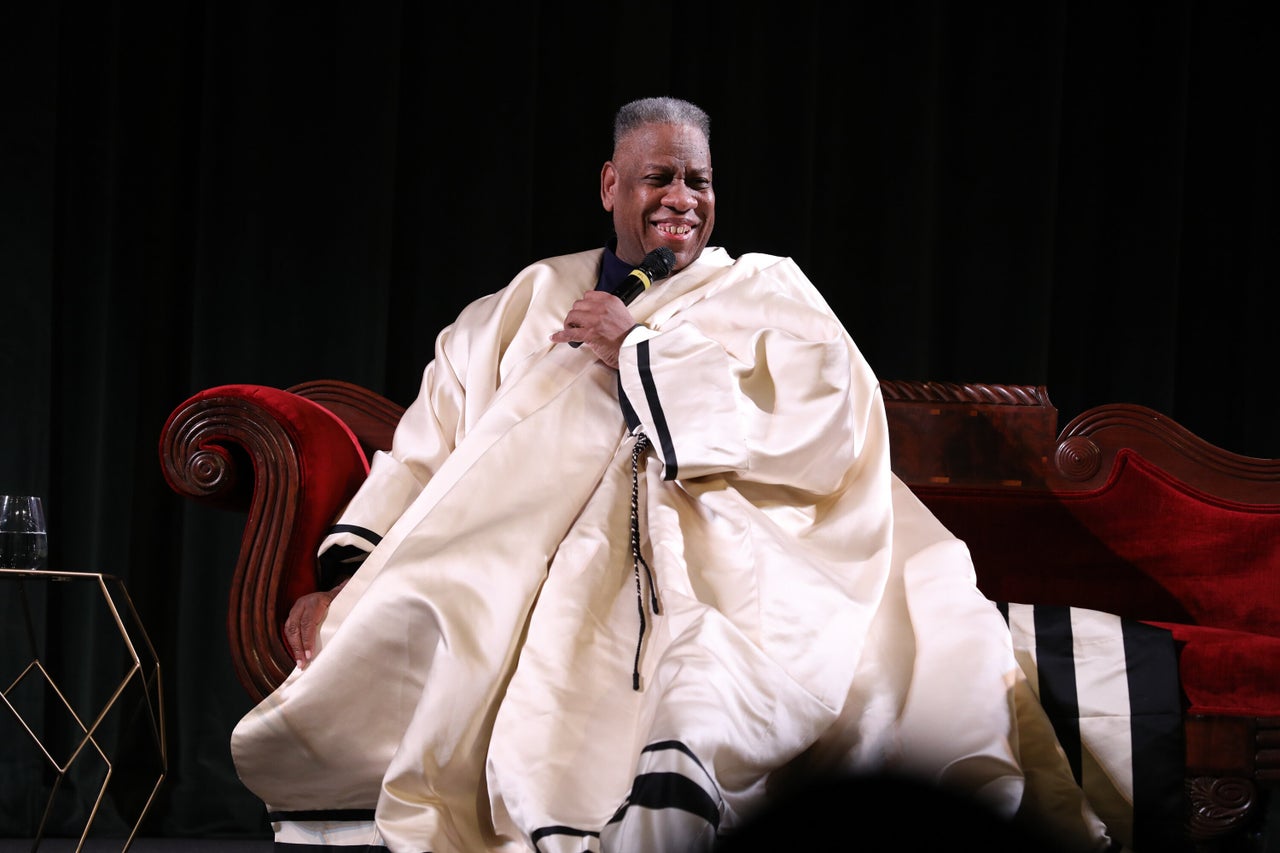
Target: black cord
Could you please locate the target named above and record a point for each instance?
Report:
(637, 559)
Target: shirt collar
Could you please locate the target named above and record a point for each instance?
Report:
(612, 268)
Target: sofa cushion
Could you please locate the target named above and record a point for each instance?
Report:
(1144, 546)
(1227, 672)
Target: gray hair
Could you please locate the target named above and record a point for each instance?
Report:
(659, 111)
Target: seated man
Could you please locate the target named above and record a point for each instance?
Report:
(618, 596)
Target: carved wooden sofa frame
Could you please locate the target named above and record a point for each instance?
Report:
(1089, 516)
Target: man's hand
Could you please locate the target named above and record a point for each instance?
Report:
(600, 321)
(303, 624)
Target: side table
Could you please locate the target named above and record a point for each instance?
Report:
(64, 702)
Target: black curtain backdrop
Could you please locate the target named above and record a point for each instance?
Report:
(1080, 195)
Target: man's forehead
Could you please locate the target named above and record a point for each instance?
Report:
(654, 139)
(655, 160)
(667, 160)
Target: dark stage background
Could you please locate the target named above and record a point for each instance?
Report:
(1080, 195)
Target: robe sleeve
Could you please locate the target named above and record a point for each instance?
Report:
(762, 394)
(427, 433)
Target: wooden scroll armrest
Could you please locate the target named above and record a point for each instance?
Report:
(291, 464)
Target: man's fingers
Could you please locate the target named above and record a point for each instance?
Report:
(301, 626)
(293, 636)
(310, 625)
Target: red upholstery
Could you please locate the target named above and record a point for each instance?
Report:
(1227, 672)
(1144, 545)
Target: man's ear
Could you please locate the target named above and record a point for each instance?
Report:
(608, 181)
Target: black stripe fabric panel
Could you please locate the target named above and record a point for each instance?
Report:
(655, 409)
(363, 532)
(1056, 665)
(1155, 720)
(547, 831)
(338, 554)
(628, 411)
(672, 791)
(661, 745)
(338, 562)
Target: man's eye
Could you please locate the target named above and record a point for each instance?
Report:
(699, 183)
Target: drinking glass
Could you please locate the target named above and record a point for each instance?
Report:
(24, 542)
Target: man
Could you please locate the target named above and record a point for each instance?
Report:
(615, 596)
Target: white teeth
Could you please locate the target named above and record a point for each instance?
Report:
(675, 229)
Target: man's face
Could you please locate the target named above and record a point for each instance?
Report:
(658, 188)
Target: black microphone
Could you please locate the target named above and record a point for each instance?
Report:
(655, 266)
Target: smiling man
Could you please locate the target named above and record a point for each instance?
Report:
(612, 597)
(658, 183)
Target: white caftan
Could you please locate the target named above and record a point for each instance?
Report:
(502, 674)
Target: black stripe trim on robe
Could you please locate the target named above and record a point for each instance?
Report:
(1056, 662)
(356, 530)
(1155, 725)
(662, 745)
(548, 831)
(670, 791)
(341, 561)
(655, 409)
(628, 411)
(1158, 768)
(659, 789)
(338, 562)
(655, 791)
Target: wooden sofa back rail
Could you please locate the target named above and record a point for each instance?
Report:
(372, 417)
(1005, 436)
(1124, 511)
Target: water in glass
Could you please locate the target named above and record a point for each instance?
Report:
(24, 542)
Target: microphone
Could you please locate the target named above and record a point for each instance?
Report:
(655, 266)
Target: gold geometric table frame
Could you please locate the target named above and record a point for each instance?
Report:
(142, 668)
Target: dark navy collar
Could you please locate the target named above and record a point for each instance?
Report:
(612, 268)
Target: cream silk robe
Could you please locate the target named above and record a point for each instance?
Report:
(474, 682)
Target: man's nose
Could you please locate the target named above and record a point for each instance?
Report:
(680, 197)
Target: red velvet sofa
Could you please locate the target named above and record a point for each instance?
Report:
(1122, 511)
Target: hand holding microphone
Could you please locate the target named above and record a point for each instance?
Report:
(656, 265)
